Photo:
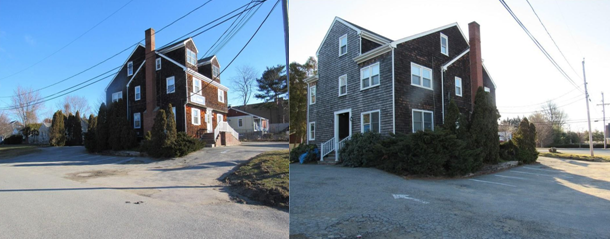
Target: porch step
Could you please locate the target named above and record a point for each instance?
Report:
(329, 159)
(208, 138)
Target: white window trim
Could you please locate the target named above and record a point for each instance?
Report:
(221, 96)
(137, 93)
(309, 130)
(310, 92)
(215, 71)
(441, 44)
(193, 114)
(362, 120)
(370, 67)
(167, 84)
(240, 123)
(129, 67)
(461, 86)
(120, 95)
(134, 120)
(486, 89)
(343, 76)
(195, 80)
(422, 119)
(422, 76)
(191, 56)
(344, 36)
(219, 118)
(158, 64)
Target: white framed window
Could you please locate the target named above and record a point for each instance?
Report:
(421, 76)
(116, 96)
(221, 96)
(137, 93)
(422, 120)
(158, 64)
(312, 130)
(343, 45)
(196, 86)
(196, 116)
(129, 68)
(137, 121)
(369, 76)
(174, 111)
(343, 85)
(240, 123)
(487, 89)
(170, 84)
(215, 71)
(371, 121)
(312, 94)
(444, 44)
(218, 118)
(458, 86)
(191, 57)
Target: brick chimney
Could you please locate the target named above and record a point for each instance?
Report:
(151, 84)
(476, 64)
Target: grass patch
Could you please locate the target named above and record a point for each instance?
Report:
(264, 178)
(10, 151)
(576, 157)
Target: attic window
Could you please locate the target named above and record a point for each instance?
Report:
(487, 89)
(444, 44)
(215, 71)
(130, 68)
(158, 64)
(221, 96)
(191, 57)
(343, 45)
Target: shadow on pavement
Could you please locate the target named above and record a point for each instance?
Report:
(103, 188)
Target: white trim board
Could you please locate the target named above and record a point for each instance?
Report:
(367, 35)
(126, 60)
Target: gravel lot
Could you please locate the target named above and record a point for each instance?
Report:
(554, 199)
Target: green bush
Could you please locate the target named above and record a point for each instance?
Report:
(14, 139)
(296, 152)
(182, 145)
(508, 151)
(90, 141)
(525, 140)
(360, 150)
(57, 132)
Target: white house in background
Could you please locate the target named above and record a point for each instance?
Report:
(244, 122)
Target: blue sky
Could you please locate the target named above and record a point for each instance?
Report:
(32, 30)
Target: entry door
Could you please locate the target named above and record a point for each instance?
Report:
(208, 120)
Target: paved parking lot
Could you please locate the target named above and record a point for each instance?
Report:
(554, 199)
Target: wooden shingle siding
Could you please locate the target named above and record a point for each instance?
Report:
(368, 45)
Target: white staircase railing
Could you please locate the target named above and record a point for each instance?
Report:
(225, 127)
(327, 148)
(340, 145)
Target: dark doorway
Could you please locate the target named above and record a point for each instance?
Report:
(343, 125)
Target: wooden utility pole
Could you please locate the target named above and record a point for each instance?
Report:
(588, 114)
(604, 112)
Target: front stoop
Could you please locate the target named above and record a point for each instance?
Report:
(208, 138)
(329, 159)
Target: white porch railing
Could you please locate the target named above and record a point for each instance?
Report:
(225, 127)
(327, 148)
(340, 145)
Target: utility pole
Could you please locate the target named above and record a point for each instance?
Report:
(588, 114)
(286, 37)
(604, 112)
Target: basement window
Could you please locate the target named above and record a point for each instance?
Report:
(422, 120)
(343, 45)
(130, 68)
(421, 76)
(458, 86)
(444, 45)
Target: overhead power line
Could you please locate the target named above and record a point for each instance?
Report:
(541, 103)
(529, 112)
(237, 28)
(223, 34)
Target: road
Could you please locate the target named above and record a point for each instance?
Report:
(67, 193)
(553, 199)
(584, 150)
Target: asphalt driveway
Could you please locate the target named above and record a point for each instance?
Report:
(67, 193)
(584, 150)
(554, 199)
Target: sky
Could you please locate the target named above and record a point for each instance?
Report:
(32, 30)
(524, 77)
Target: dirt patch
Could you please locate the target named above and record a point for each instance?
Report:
(86, 175)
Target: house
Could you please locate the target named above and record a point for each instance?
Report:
(244, 122)
(16, 126)
(277, 112)
(43, 134)
(368, 82)
(151, 79)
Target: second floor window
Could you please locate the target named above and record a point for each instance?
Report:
(421, 76)
(196, 86)
(171, 84)
(312, 94)
(191, 57)
(343, 45)
(444, 45)
(369, 76)
(137, 93)
(458, 86)
(158, 64)
(221, 96)
(130, 68)
(215, 71)
(343, 85)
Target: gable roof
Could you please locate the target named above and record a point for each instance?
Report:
(231, 108)
(421, 34)
(124, 63)
(177, 45)
(207, 60)
(361, 31)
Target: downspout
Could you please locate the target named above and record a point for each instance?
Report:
(393, 97)
(443, 92)
(186, 100)
(307, 125)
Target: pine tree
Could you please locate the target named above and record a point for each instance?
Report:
(57, 132)
(92, 123)
(171, 125)
(90, 138)
(452, 118)
(158, 136)
(525, 140)
(77, 130)
(484, 128)
(116, 126)
(101, 131)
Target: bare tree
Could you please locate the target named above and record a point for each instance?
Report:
(246, 76)
(26, 104)
(544, 129)
(5, 125)
(72, 104)
(554, 115)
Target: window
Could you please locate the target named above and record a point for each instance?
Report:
(158, 64)
(137, 122)
(422, 120)
(240, 123)
(116, 96)
(129, 68)
(218, 118)
(171, 84)
(312, 131)
(421, 76)
(191, 57)
(312, 94)
(369, 76)
(444, 45)
(137, 90)
(215, 71)
(370, 121)
(196, 86)
(221, 96)
(458, 86)
(342, 85)
(487, 89)
(174, 111)
(196, 116)
(343, 45)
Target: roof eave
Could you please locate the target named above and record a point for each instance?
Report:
(373, 53)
